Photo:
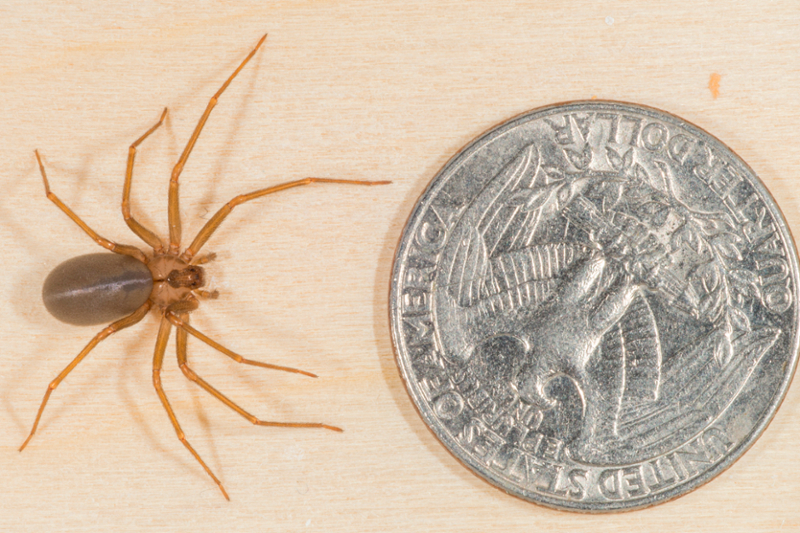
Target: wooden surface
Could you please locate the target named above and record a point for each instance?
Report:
(365, 90)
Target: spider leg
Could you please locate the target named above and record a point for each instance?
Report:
(173, 208)
(123, 249)
(145, 234)
(158, 359)
(211, 226)
(209, 295)
(183, 325)
(203, 259)
(180, 342)
(122, 323)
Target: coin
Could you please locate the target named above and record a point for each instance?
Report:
(594, 306)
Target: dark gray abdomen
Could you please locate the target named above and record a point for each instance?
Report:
(96, 288)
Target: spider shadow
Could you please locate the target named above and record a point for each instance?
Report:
(26, 289)
(23, 294)
(130, 373)
(175, 147)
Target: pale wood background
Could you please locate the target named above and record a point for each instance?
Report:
(368, 90)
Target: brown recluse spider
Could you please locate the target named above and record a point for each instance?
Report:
(123, 288)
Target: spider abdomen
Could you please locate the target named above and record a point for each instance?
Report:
(96, 288)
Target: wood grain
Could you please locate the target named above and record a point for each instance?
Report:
(360, 90)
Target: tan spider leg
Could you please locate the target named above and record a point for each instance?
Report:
(128, 321)
(209, 295)
(158, 359)
(181, 337)
(203, 259)
(173, 209)
(123, 249)
(172, 317)
(145, 234)
(211, 226)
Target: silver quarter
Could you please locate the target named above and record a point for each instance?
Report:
(594, 306)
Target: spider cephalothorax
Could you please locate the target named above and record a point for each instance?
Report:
(174, 279)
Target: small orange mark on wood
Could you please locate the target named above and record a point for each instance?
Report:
(713, 84)
(594, 97)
